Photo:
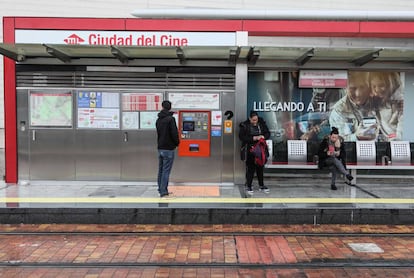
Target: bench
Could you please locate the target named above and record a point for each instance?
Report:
(366, 157)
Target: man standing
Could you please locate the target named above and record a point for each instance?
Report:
(168, 140)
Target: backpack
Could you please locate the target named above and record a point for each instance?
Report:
(260, 152)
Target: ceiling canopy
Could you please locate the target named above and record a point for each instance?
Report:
(220, 56)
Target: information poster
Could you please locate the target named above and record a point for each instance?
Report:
(98, 118)
(195, 101)
(141, 101)
(130, 120)
(148, 119)
(51, 110)
(98, 110)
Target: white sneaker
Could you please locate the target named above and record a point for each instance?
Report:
(249, 190)
(264, 189)
(167, 197)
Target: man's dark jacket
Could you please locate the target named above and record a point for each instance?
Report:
(167, 131)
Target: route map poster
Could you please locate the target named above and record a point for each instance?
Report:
(195, 101)
(50, 109)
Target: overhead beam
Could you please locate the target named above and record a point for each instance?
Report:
(57, 53)
(253, 56)
(305, 57)
(119, 54)
(234, 55)
(12, 55)
(366, 58)
(180, 55)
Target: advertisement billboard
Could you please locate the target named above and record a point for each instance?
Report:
(369, 106)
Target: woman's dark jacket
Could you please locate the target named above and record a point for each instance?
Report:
(244, 132)
(323, 148)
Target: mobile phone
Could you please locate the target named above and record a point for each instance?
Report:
(369, 121)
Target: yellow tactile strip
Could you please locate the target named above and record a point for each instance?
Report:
(189, 199)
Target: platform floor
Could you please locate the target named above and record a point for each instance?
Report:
(293, 199)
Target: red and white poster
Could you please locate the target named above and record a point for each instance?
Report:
(323, 79)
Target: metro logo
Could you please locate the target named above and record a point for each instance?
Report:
(73, 39)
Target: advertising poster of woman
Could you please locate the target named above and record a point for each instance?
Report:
(369, 106)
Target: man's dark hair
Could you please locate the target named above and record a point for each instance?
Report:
(166, 104)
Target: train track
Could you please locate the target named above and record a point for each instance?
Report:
(308, 234)
(325, 263)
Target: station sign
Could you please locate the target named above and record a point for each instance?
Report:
(126, 38)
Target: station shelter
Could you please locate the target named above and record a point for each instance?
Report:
(82, 94)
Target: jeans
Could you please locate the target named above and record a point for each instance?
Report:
(336, 166)
(165, 162)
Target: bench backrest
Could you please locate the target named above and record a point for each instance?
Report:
(366, 152)
(270, 149)
(297, 151)
(400, 152)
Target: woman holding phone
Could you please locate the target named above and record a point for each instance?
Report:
(332, 154)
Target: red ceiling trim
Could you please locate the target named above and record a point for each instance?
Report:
(184, 25)
(298, 28)
(56, 23)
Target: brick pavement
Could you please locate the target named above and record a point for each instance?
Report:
(251, 255)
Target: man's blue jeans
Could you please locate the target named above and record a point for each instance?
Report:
(165, 162)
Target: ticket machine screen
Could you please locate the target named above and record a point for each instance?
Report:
(188, 125)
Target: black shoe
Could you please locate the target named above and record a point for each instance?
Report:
(333, 187)
(349, 177)
(349, 183)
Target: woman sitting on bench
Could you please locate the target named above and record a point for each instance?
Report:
(332, 154)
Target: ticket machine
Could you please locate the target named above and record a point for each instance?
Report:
(194, 130)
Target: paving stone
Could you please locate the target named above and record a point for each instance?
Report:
(269, 245)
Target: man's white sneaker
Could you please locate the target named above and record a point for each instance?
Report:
(249, 190)
(167, 197)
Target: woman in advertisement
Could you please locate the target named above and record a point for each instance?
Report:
(372, 108)
(388, 101)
